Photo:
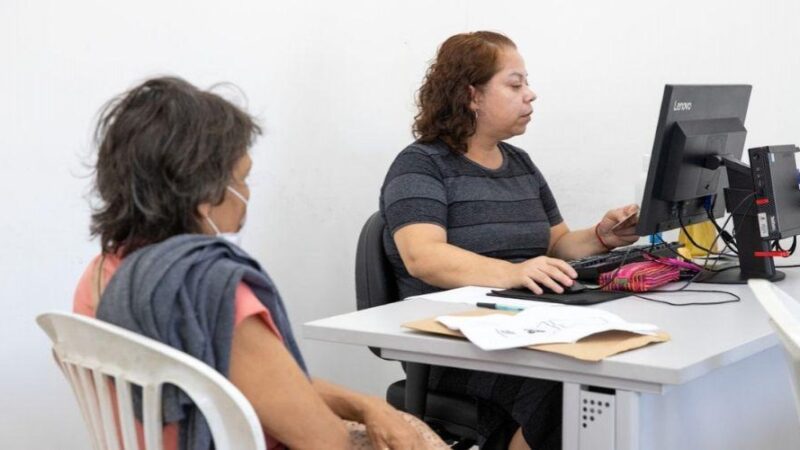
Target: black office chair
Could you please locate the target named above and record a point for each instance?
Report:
(454, 417)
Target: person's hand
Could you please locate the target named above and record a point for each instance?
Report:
(543, 271)
(387, 429)
(618, 226)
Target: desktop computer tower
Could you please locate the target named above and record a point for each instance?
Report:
(777, 194)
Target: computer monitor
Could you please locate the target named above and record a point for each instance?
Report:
(695, 167)
(695, 122)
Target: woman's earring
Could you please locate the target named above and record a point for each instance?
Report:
(476, 115)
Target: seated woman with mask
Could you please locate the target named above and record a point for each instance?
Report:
(171, 177)
(463, 207)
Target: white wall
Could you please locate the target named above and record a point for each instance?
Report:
(333, 84)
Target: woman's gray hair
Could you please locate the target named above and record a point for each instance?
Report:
(164, 147)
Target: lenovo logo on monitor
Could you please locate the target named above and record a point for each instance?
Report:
(682, 106)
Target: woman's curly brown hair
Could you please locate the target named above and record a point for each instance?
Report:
(463, 60)
(164, 147)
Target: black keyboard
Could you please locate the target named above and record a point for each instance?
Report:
(590, 267)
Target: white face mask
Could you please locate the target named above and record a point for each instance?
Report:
(233, 238)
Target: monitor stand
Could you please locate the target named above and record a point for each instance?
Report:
(740, 202)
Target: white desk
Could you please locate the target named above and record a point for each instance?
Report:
(720, 383)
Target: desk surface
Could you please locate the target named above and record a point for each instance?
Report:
(704, 338)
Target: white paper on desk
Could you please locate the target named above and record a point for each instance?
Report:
(471, 295)
(466, 294)
(539, 325)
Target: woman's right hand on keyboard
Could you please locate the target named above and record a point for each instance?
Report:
(542, 271)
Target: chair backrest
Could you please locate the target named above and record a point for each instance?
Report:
(784, 312)
(375, 281)
(94, 354)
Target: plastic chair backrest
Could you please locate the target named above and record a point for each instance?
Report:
(93, 353)
(375, 281)
(784, 313)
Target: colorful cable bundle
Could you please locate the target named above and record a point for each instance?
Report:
(643, 276)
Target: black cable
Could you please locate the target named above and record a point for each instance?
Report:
(729, 244)
(726, 237)
(704, 267)
(691, 239)
(777, 246)
(730, 217)
(735, 299)
(715, 271)
(741, 203)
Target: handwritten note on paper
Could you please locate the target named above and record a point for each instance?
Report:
(540, 325)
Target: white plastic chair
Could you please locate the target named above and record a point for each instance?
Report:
(784, 312)
(92, 353)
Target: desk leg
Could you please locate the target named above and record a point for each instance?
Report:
(599, 419)
(627, 423)
(571, 422)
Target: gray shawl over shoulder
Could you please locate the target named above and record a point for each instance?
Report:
(181, 292)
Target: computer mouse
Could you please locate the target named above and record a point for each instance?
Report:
(574, 289)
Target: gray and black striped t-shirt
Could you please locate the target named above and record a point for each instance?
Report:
(504, 213)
